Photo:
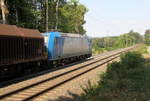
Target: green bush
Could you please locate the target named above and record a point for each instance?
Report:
(142, 49)
(127, 80)
(132, 60)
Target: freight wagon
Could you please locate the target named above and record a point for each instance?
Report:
(18, 46)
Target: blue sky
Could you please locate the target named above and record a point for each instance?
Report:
(115, 17)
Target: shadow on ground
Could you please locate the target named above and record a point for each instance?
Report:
(73, 97)
(148, 62)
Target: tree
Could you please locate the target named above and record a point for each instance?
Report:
(46, 15)
(147, 37)
(21, 13)
(4, 10)
(46, 2)
(124, 40)
(137, 37)
(57, 7)
(73, 17)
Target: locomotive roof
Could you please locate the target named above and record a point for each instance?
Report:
(12, 30)
(71, 35)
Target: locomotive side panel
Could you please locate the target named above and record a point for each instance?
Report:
(75, 47)
(66, 47)
(63, 45)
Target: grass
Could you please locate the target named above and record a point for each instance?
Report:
(142, 49)
(98, 50)
(127, 80)
(102, 50)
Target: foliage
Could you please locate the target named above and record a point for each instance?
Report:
(142, 49)
(137, 37)
(32, 14)
(124, 40)
(147, 37)
(127, 80)
(112, 43)
(75, 13)
(103, 44)
(21, 13)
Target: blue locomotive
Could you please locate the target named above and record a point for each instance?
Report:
(20, 47)
(62, 47)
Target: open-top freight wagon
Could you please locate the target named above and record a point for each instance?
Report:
(19, 46)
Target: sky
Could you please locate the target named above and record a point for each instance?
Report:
(115, 17)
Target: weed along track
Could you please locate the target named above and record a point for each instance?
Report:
(33, 88)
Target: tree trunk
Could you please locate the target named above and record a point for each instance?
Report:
(17, 20)
(3, 11)
(46, 15)
(36, 16)
(57, 7)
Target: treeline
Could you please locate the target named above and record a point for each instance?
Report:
(125, 40)
(147, 37)
(60, 15)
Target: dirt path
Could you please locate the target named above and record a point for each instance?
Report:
(146, 56)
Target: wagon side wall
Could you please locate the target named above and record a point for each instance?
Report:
(11, 50)
(33, 49)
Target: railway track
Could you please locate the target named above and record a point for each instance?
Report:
(33, 88)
